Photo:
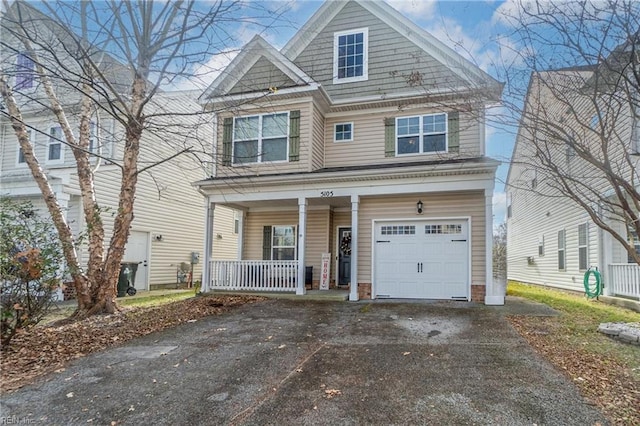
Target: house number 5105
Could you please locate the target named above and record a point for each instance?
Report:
(325, 194)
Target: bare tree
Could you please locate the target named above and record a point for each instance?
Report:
(113, 59)
(578, 128)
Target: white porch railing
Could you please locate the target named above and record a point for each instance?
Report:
(254, 275)
(624, 280)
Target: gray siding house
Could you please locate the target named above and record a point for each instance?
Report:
(356, 156)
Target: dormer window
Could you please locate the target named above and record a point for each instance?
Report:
(350, 56)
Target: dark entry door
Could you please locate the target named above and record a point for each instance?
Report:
(344, 256)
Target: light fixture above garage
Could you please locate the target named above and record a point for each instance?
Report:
(419, 207)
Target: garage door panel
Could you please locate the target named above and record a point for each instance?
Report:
(422, 259)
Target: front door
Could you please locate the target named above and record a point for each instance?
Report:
(344, 256)
(137, 251)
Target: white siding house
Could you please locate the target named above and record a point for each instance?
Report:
(552, 239)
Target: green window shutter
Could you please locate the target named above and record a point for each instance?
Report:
(294, 135)
(454, 131)
(227, 141)
(266, 243)
(389, 137)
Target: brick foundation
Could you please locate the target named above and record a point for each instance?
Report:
(364, 291)
(477, 293)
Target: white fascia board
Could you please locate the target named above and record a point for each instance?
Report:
(245, 97)
(472, 183)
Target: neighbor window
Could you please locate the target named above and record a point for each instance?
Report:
(25, 72)
(54, 147)
(21, 159)
(283, 244)
(541, 246)
(583, 246)
(509, 204)
(93, 138)
(633, 239)
(343, 132)
(260, 138)
(561, 250)
(350, 55)
(236, 221)
(421, 134)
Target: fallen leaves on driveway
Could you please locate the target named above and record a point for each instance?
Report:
(46, 349)
(606, 382)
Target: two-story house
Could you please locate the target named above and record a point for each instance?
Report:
(362, 140)
(577, 136)
(168, 220)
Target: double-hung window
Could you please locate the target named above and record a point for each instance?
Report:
(421, 134)
(283, 245)
(25, 72)
(21, 159)
(261, 138)
(54, 147)
(562, 259)
(350, 55)
(583, 246)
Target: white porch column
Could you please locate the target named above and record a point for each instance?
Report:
(208, 245)
(240, 235)
(353, 288)
(493, 293)
(302, 231)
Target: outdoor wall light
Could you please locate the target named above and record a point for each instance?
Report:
(419, 207)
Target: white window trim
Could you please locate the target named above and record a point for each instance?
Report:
(233, 139)
(33, 73)
(563, 250)
(584, 246)
(365, 58)
(335, 129)
(236, 222)
(541, 247)
(421, 135)
(32, 135)
(295, 239)
(49, 143)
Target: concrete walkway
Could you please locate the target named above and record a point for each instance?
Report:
(288, 362)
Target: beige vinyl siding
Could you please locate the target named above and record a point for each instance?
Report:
(317, 140)
(306, 111)
(262, 76)
(318, 234)
(392, 59)
(437, 205)
(225, 241)
(368, 146)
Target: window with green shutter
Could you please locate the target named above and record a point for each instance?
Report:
(422, 134)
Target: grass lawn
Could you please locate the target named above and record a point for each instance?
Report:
(606, 371)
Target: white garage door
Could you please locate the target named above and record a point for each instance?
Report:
(422, 259)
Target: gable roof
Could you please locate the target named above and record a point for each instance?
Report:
(462, 67)
(250, 54)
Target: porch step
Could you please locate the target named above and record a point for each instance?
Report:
(318, 295)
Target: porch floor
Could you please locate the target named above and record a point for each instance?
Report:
(318, 295)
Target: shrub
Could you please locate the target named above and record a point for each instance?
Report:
(31, 265)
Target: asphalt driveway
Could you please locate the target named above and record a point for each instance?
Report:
(293, 362)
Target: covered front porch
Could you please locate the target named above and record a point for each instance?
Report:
(287, 246)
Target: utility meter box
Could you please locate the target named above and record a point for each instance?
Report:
(195, 257)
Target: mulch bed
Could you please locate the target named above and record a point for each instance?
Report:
(45, 349)
(601, 379)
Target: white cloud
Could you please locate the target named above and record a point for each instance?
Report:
(413, 7)
(499, 208)
(203, 75)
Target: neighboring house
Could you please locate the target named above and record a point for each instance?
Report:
(552, 240)
(169, 220)
(363, 138)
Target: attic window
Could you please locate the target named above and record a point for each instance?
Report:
(25, 72)
(350, 55)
